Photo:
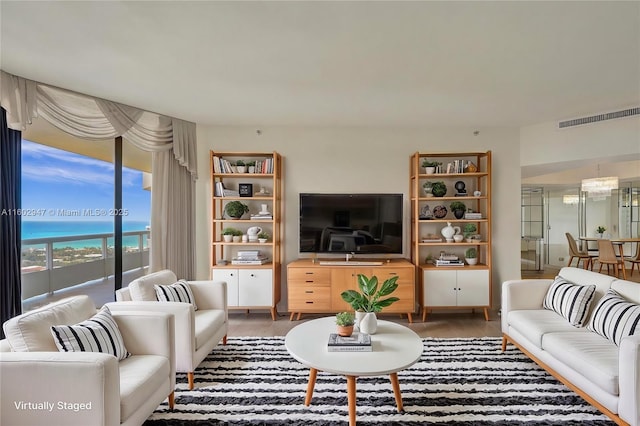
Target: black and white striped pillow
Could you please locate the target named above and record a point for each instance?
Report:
(99, 333)
(614, 317)
(177, 292)
(570, 300)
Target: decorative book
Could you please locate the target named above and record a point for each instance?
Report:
(357, 342)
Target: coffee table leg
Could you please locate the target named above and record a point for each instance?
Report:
(313, 373)
(351, 398)
(396, 391)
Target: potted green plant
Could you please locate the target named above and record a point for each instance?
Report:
(370, 299)
(427, 188)
(229, 233)
(240, 166)
(438, 189)
(345, 321)
(235, 209)
(458, 208)
(251, 166)
(430, 166)
(263, 237)
(471, 256)
(469, 230)
(600, 231)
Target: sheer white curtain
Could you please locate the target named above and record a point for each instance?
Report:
(172, 141)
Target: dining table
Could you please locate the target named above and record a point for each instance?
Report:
(619, 242)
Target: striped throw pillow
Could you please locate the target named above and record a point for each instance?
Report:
(177, 292)
(570, 300)
(614, 317)
(99, 333)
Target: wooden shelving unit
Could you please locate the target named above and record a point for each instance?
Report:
(451, 287)
(248, 286)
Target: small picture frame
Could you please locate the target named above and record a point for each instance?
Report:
(245, 189)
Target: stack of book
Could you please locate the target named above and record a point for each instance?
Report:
(357, 342)
(249, 257)
(221, 191)
(449, 260)
(262, 216)
(473, 215)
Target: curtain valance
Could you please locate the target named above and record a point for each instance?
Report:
(93, 118)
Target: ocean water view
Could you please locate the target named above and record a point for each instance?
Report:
(33, 229)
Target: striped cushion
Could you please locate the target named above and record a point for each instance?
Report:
(570, 300)
(177, 292)
(614, 317)
(99, 333)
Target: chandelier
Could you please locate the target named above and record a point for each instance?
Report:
(599, 187)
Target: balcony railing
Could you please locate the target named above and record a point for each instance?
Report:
(56, 263)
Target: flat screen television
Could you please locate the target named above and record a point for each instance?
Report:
(346, 223)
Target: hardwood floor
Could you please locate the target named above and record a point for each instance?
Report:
(460, 324)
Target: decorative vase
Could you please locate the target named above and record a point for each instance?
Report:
(449, 231)
(345, 330)
(359, 316)
(458, 238)
(369, 323)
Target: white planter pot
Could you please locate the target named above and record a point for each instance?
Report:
(369, 323)
(227, 238)
(473, 261)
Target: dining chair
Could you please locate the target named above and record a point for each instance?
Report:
(607, 256)
(635, 259)
(575, 252)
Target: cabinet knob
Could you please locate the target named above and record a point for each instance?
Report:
(309, 291)
(253, 275)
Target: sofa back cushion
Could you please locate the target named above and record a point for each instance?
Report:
(31, 331)
(627, 289)
(571, 301)
(142, 289)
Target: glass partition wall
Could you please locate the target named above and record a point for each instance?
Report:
(548, 213)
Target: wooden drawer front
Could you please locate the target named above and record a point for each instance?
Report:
(315, 275)
(309, 298)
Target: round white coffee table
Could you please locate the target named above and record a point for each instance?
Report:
(394, 348)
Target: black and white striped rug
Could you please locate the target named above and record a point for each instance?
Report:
(253, 381)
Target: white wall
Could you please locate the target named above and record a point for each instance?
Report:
(365, 160)
(545, 143)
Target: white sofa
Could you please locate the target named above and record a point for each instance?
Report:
(197, 331)
(42, 386)
(604, 374)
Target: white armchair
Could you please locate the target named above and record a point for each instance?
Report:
(42, 386)
(197, 331)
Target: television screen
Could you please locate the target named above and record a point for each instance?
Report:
(345, 223)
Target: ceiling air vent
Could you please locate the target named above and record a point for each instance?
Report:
(600, 117)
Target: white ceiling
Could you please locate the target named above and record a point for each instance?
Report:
(359, 63)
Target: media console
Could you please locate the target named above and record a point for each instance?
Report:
(316, 287)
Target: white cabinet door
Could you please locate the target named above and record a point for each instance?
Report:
(231, 278)
(256, 287)
(439, 288)
(456, 288)
(473, 287)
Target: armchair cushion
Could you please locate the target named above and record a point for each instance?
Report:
(142, 289)
(99, 333)
(570, 300)
(177, 292)
(615, 318)
(31, 331)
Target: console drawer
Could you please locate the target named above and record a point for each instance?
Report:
(315, 275)
(305, 298)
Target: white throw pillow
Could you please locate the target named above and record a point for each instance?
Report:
(570, 300)
(177, 292)
(99, 333)
(614, 317)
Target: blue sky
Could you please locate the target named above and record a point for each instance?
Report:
(55, 180)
